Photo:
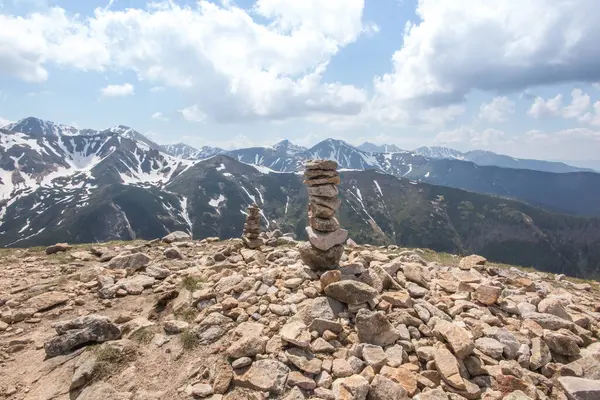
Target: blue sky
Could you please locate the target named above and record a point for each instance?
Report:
(516, 78)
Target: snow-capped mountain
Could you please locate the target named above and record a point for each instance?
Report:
(58, 183)
(489, 158)
(187, 152)
(288, 147)
(381, 148)
(439, 152)
(88, 185)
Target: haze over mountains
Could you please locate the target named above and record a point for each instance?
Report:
(82, 185)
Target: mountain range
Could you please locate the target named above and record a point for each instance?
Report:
(58, 183)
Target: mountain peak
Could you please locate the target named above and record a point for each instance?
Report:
(36, 127)
(439, 152)
(285, 144)
(382, 148)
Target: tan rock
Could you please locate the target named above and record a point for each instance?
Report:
(448, 368)
(487, 294)
(471, 261)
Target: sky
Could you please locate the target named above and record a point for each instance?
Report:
(516, 77)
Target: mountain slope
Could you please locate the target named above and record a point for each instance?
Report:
(182, 150)
(575, 193)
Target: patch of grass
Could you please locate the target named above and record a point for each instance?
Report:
(143, 335)
(188, 314)
(192, 282)
(442, 258)
(110, 360)
(189, 339)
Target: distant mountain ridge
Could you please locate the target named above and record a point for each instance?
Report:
(489, 158)
(85, 185)
(97, 185)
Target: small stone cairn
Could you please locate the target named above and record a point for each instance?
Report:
(252, 228)
(324, 249)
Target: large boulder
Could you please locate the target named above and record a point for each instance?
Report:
(79, 332)
(177, 236)
(129, 261)
(58, 247)
(351, 292)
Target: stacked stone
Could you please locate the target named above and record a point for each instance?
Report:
(324, 249)
(251, 235)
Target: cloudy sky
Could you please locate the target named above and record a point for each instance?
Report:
(517, 77)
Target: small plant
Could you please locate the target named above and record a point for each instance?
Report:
(143, 335)
(188, 314)
(192, 282)
(110, 359)
(189, 339)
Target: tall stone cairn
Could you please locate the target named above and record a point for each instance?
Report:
(252, 228)
(325, 247)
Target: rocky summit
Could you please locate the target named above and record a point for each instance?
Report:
(209, 319)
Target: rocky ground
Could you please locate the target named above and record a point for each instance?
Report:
(212, 319)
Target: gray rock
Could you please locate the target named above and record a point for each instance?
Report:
(540, 354)
(129, 261)
(563, 344)
(374, 328)
(554, 306)
(325, 241)
(157, 271)
(383, 388)
(549, 321)
(510, 342)
(177, 236)
(173, 253)
(241, 362)
(579, 388)
(351, 292)
(490, 347)
(81, 331)
(320, 260)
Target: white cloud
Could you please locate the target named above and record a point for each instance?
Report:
(497, 46)
(193, 113)
(579, 105)
(159, 116)
(580, 108)
(541, 108)
(238, 67)
(125, 89)
(4, 122)
(498, 110)
(472, 138)
(592, 117)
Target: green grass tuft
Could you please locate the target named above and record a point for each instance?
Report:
(189, 339)
(192, 282)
